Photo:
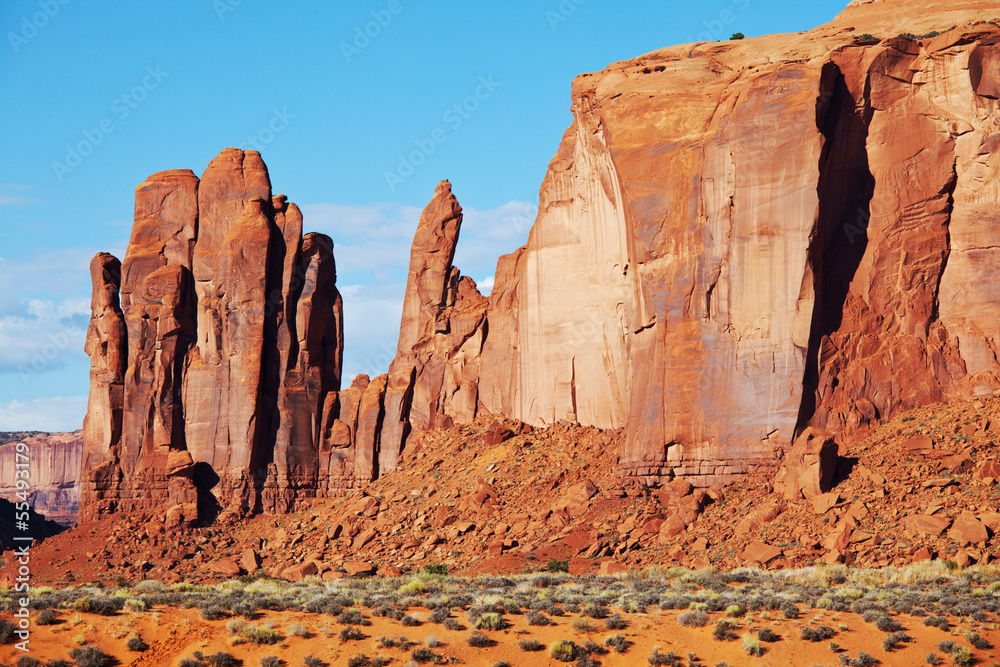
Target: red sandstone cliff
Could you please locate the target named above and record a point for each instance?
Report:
(738, 240)
(53, 471)
(216, 351)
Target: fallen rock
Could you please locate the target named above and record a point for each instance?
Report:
(966, 529)
(924, 524)
(357, 568)
(808, 468)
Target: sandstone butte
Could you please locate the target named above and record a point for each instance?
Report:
(736, 242)
(54, 471)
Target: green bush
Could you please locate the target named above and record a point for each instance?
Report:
(563, 651)
(91, 656)
(436, 568)
(737, 35)
(555, 565)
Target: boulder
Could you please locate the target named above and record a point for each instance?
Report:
(808, 468)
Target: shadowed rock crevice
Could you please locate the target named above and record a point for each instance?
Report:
(845, 189)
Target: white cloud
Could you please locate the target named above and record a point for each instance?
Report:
(44, 414)
(7, 198)
(486, 284)
(44, 338)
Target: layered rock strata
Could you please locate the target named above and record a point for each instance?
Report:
(739, 240)
(216, 353)
(211, 370)
(53, 472)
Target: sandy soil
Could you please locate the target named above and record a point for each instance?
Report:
(176, 633)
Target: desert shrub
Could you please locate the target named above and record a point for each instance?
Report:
(933, 659)
(479, 640)
(789, 610)
(895, 640)
(939, 622)
(260, 635)
(26, 661)
(422, 654)
(440, 615)
(409, 621)
(947, 646)
(432, 641)
(694, 618)
(136, 644)
(752, 645)
(723, 631)
(585, 660)
(582, 625)
(351, 633)
(563, 650)
(557, 566)
(352, 617)
(7, 632)
(298, 630)
(888, 624)
(591, 646)
(359, 660)
(530, 645)
(768, 635)
(213, 612)
(597, 611)
(91, 656)
(737, 36)
(453, 624)
(978, 642)
(618, 643)
(439, 569)
(47, 617)
(222, 659)
(234, 626)
(271, 661)
(818, 634)
(313, 661)
(501, 663)
(490, 621)
(735, 610)
(615, 622)
(539, 619)
(670, 659)
(962, 656)
(864, 660)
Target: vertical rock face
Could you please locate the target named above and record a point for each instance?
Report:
(54, 471)
(227, 342)
(736, 241)
(434, 380)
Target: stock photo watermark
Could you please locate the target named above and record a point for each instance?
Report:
(22, 550)
(31, 25)
(364, 34)
(562, 12)
(121, 108)
(453, 119)
(223, 7)
(280, 120)
(717, 27)
(45, 355)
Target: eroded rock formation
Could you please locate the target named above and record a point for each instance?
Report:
(736, 242)
(216, 351)
(739, 240)
(209, 379)
(53, 470)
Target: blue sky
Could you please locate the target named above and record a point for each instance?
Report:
(97, 96)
